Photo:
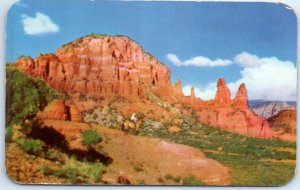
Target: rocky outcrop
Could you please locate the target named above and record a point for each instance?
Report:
(284, 125)
(193, 93)
(71, 131)
(75, 114)
(177, 89)
(100, 66)
(230, 114)
(55, 110)
(223, 94)
(58, 110)
(269, 109)
(241, 98)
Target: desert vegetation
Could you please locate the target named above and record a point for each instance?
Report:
(251, 160)
(25, 96)
(90, 137)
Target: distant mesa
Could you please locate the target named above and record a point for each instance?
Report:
(271, 108)
(116, 66)
(284, 125)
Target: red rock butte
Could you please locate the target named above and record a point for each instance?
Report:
(117, 66)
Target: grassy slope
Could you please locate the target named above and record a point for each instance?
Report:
(253, 161)
(244, 155)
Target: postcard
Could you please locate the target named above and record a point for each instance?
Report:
(151, 93)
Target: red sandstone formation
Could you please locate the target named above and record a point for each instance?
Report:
(55, 110)
(193, 93)
(97, 66)
(241, 98)
(72, 131)
(177, 89)
(116, 66)
(230, 114)
(58, 110)
(223, 94)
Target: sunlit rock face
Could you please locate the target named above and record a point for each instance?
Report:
(93, 66)
(116, 66)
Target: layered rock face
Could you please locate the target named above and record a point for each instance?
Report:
(99, 66)
(116, 66)
(284, 125)
(229, 114)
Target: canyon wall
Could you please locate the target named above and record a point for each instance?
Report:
(117, 66)
(99, 67)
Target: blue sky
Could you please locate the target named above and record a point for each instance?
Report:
(199, 42)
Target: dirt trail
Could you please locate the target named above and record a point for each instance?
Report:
(149, 160)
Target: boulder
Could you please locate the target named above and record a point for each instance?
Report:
(58, 110)
(55, 110)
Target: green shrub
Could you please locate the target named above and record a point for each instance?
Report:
(93, 170)
(90, 137)
(30, 145)
(9, 133)
(76, 172)
(25, 96)
(192, 180)
(68, 173)
(46, 170)
(97, 35)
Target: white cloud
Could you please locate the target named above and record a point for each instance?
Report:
(245, 59)
(40, 24)
(270, 79)
(198, 61)
(265, 78)
(206, 93)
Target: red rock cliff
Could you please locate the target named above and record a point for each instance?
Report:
(109, 66)
(100, 66)
(230, 114)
